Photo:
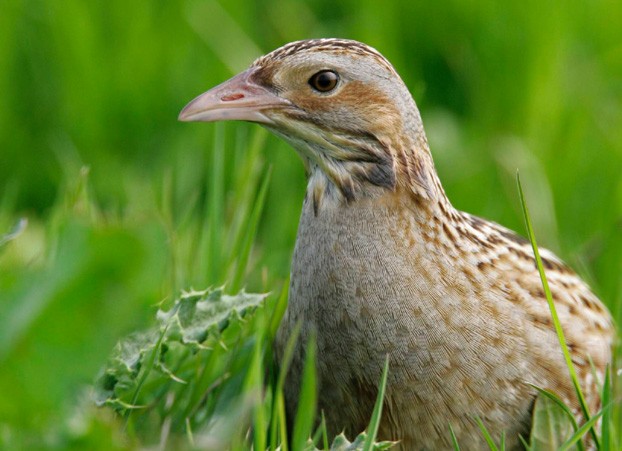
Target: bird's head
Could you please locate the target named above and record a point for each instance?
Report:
(342, 106)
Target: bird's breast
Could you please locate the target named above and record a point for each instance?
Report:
(363, 277)
(369, 280)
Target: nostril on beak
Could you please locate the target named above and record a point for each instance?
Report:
(231, 97)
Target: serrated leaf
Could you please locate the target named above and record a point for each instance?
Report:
(198, 313)
(192, 318)
(341, 443)
(123, 366)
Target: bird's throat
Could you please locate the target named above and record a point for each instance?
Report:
(337, 183)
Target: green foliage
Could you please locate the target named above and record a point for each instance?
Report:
(57, 321)
(184, 382)
(305, 416)
(341, 443)
(182, 374)
(374, 422)
(552, 420)
(551, 425)
(549, 298)
(489, 439)
(126, 207)
(500, 86)
(454, 439)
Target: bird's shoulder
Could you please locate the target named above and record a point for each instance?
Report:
(501, 249)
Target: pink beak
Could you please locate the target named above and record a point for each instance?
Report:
(237, 99)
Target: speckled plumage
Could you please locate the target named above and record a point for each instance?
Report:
(385, 265)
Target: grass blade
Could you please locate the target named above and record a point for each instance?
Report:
(254, 383)
(606, 400)
(486, 434)
(321, 433)
(307, 401)
(251, 231)
(555, 317)
(250, 170)
(216, 204)
(279, 423)
(526, 445)
(374, 423)
(588, 425)
(278, 311)
(454, 440)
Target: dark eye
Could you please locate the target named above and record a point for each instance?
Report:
(324, 81)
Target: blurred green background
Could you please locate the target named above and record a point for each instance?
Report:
(126, 206)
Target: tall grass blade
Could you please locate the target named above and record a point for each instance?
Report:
(189, 434)
(307, 400)
(279, 310)
(251, 231)
(557, 324)
(216, 205)
(254, 383)
(279, 421)
(249, 172)
(606, 400)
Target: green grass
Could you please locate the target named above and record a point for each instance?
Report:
(126, 208)
(557, 430)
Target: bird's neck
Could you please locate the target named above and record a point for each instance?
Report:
(411, 152)
(406, 166)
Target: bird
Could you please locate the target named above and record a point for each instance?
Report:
(385, 267)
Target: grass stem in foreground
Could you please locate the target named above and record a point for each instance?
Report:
(555, 317)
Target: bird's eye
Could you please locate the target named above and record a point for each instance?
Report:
(324, 81)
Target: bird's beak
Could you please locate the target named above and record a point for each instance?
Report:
(239, 98)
